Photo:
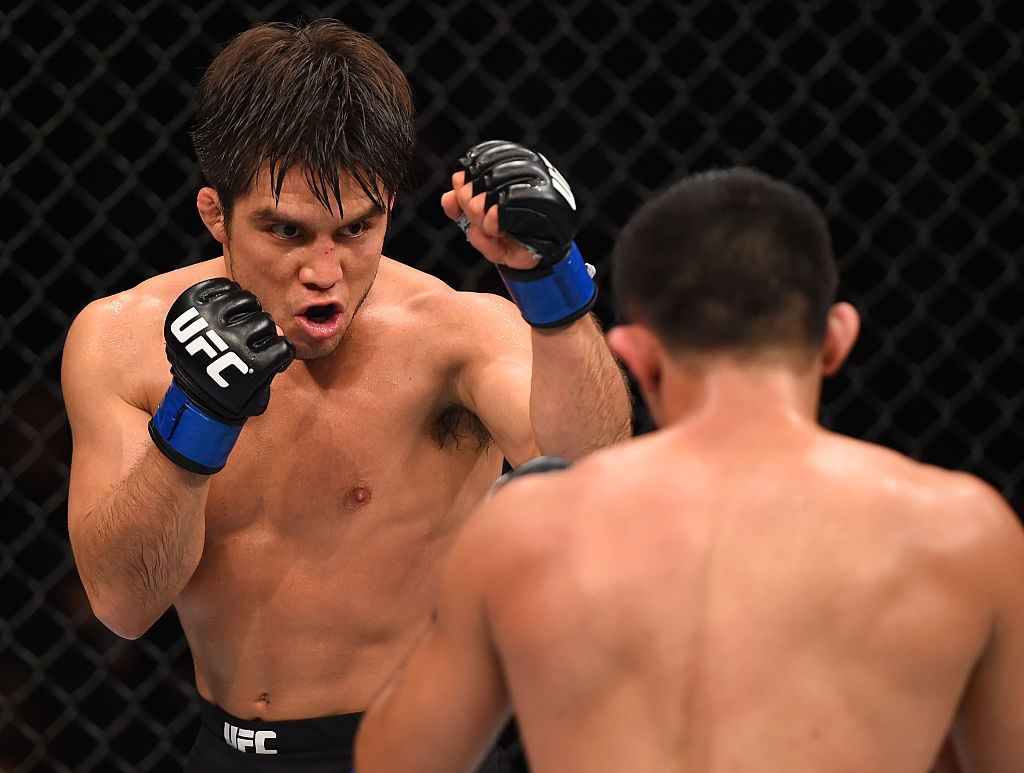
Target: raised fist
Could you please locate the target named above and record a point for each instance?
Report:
(535, 203)
(224, 351)
(536, 208)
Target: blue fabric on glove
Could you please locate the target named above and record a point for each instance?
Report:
(553, 295)
(188, 436)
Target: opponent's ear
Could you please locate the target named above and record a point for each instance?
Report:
(212, 213)
(843, 329)
(641, 352)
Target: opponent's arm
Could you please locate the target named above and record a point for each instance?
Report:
(139, 484)
(988, 731)
(447, 704)
(947, 762)
(519, 212)
(444, 708)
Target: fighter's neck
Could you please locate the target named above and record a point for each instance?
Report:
(755, 396)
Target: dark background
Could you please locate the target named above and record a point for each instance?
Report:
(902, 119)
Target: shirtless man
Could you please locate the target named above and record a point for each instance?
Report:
(296, 526)
(740, 590)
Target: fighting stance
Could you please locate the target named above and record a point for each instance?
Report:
(740, 590)
(333, 414)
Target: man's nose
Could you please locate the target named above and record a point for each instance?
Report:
(321, 267)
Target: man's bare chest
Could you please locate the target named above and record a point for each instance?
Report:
(346, 458)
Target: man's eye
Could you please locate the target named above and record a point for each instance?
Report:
(285, 230)
(354, 229)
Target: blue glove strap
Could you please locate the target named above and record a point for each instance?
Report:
(553, 295)
(189, 437)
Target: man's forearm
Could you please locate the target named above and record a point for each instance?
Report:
(579, 399)
(139, 545)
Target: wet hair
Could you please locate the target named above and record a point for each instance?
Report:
(727, 260)
(321, 97)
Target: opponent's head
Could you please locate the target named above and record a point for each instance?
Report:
(322, 98)
(303, 134)
(734, 263)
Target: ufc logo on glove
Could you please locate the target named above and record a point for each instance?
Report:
(202, 343)
(202, 413)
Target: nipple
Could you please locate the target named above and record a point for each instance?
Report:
(359, 495)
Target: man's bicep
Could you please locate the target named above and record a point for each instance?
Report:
(109, 433)
(504, 408)
(495, 382)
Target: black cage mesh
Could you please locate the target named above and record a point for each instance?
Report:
(902, 118)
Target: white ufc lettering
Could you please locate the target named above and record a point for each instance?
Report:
(242, 739)
(188, 328)
(202, 343)
(225, 361)
(183, 333)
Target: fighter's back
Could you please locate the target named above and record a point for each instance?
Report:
(769, 598)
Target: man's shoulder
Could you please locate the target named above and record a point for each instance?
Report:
(404, 286)
(542, 532)
(953, 511)
(126, 328)
(855, 473)
(891, 472)
(428, 309)
(538, 512)
(519, 529)
(151, 296)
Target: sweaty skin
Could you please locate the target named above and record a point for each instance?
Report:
(742, 591)
(303, 572)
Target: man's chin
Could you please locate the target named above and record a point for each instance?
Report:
(316, 350)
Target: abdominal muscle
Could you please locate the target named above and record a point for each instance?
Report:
(309, 595)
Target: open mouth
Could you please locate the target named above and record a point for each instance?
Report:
(321, 321)
(319, 315)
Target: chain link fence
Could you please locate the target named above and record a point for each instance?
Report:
(901, 118)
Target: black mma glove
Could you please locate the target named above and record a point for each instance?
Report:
(536, 465)
(224, 350)
(535, 207)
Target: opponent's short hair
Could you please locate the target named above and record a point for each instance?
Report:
(321, 97)
(727, 260)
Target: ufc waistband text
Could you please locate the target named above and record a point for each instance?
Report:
(243, 739)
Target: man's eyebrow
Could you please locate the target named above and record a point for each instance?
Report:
(271, 215)
(371, 211)
(274, 215)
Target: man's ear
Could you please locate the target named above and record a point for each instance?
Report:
(641, 352)
(212, 213)
(842, 332)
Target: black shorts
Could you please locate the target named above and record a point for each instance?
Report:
(226, 743)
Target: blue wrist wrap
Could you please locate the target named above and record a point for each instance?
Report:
(189, 437)
(553, 295)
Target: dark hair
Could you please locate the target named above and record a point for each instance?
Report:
(727, 260)
(321, 97)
